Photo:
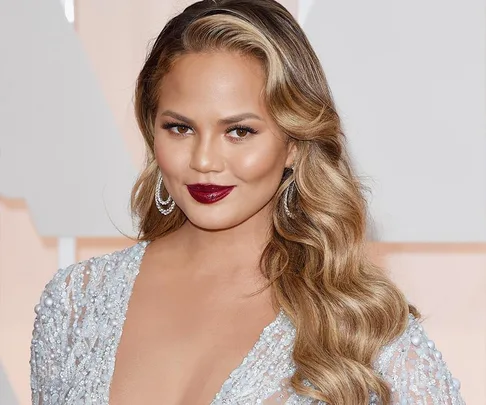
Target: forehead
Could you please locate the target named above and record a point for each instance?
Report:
(203, 79)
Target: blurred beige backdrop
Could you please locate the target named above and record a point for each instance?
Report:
(446, 280)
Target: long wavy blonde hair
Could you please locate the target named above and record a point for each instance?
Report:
(344, 307)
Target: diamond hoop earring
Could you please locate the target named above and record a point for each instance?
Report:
(286, 199)
(159, 202)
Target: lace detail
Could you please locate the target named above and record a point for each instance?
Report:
(79, 323)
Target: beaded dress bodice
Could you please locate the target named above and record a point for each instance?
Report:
(79, 322)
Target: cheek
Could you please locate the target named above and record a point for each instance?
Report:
(165, 155)
(259, 163)
(160, 154)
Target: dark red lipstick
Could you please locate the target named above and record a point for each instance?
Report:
(208, 193)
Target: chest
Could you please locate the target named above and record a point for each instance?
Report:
(182, 337)
(128, 350)
(175, 374)
(139, 369)
(123, 348)
(177, 357)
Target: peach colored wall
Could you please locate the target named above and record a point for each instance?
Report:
(26, 263)
(447, 282)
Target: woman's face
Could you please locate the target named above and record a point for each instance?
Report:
(212, 128)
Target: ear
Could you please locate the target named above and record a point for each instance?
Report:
(291, 154)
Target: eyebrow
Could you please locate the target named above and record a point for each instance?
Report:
(223, 121)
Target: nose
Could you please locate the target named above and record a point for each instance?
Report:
(207, 154)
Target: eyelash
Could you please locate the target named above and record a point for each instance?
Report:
(250, 130)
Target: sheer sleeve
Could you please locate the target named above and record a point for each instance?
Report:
(415, 370)
(52, 359)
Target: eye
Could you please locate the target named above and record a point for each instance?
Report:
(180, 129)
(242, 132)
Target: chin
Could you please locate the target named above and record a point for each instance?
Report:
(214, 221)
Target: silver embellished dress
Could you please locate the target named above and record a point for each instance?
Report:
(79, 323)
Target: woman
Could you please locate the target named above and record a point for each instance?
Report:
(249, 283)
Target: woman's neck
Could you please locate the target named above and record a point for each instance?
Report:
(233, 251)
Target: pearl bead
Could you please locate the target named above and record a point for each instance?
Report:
(48, 302)
(431, 344)
(416, 339)
(37, 308)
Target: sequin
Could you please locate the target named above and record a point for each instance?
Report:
(78, 326)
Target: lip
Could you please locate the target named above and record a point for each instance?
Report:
(208, 193)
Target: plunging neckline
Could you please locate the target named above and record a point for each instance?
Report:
(227, 383)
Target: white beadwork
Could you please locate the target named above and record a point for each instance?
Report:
(78, 326)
